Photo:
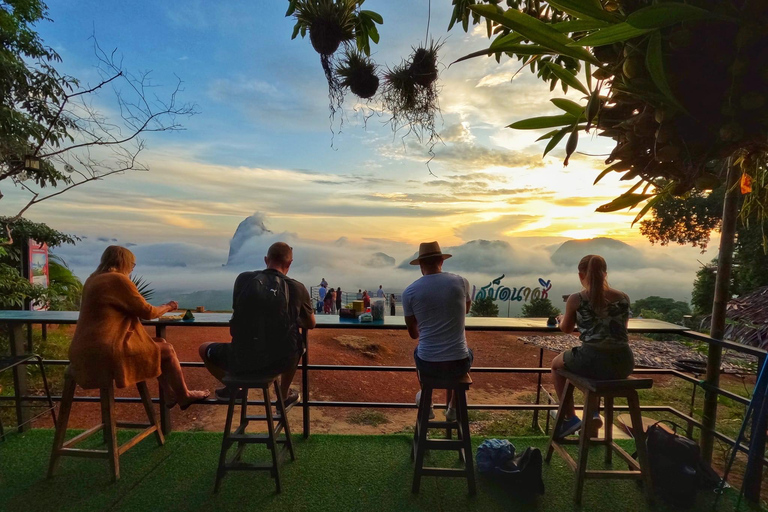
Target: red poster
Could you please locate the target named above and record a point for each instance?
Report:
(38, 268)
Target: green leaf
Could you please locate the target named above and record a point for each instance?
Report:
(654, 61)
(622, 202)
(613, 34)
(567, 27)
(665, 14)
(567, 77)
(517, 49)
(537, 123)
(647, 207)
(556, 140)
(548, 135)
(534, 30)
(506, 39)
(583, 9)
(373, 15)
(569, 106)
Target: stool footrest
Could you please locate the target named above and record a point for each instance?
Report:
(443, 424)
(136, 439)
(80, 452)
(444, 444)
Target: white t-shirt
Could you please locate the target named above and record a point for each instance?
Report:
(439, 303)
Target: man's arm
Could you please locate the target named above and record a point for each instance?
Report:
(413, 327)
(467, 296)
(307, 312)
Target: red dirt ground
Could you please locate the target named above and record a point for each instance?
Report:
(325, 347)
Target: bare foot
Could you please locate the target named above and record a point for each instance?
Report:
(192, 397)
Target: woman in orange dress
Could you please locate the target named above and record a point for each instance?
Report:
(110, 344)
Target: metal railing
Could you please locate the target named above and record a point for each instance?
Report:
(752, 488)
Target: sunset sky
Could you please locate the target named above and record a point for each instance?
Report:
(262, 143)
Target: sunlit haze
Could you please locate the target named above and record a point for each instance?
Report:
(262, 146)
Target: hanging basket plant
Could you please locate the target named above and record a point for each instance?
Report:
(358, 72)
(331, 24)
(409, 93)
(424, 64)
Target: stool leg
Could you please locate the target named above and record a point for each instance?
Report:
(110, 430)
(284, 419)
(421, 441)
(461, 413)
(225, 439)
(640, 446)
(146, 401)
(243, 423)
(586, 430)
(47, 389)
(558, 420)
(272, 444)
(608, 429)
(67, 394)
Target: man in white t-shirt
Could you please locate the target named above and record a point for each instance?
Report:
(380, 292)
(435, 306)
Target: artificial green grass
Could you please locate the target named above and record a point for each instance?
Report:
(333, 473)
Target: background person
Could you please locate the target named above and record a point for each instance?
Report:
(435, 307)
(601, 313)
(392, 305)
(110, 344)
(338, 299)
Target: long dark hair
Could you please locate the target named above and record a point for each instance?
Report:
(594, 269)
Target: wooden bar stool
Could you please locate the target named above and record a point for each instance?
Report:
(593, 391)
(276, 423)
(462, 444)
(108, 425)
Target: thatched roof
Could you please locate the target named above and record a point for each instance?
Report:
(747, 319)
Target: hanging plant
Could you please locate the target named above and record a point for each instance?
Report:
(411, 105)
(330, 24)
(424, 64)
(358, 72)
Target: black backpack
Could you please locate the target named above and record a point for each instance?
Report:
(262, 325)
(677, 469)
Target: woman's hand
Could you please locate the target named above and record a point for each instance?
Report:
(172, 305)
(559, 318)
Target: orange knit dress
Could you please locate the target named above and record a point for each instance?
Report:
(110, 344)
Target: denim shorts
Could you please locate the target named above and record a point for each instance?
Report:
(444, 369)
(604, 363)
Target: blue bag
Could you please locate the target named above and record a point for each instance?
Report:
(494, 454)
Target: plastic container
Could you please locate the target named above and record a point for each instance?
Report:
(377, 309)
(358, 306)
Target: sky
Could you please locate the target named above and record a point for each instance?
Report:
(261, 147)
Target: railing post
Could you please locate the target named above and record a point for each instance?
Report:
(305, 383)
(753, 475)
(535, 424)
(722, 283)
(19, 375)
(165, 414)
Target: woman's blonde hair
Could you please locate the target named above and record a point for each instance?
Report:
(594, 269)
(116, 259)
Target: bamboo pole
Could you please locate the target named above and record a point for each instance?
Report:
(722, 282)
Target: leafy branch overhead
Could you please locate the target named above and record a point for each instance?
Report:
(679, 86)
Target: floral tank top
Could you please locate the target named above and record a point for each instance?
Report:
(609, 329)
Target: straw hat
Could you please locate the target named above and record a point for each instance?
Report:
(429, 250)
